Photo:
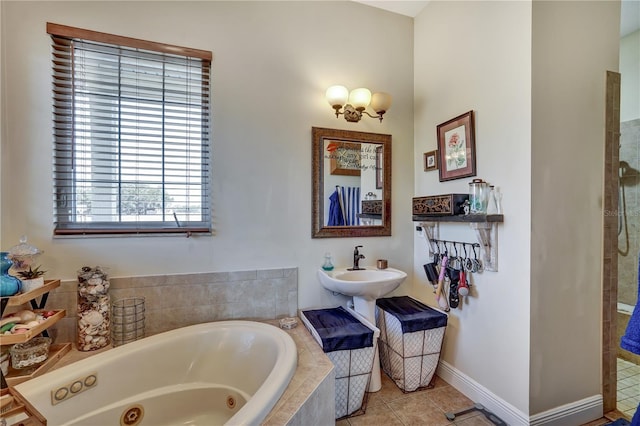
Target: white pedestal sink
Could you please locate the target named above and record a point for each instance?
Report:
(365, 286)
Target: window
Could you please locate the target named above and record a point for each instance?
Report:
(131, 135)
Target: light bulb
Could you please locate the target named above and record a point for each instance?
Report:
(360, 98)
(337, 96)
(381, 102)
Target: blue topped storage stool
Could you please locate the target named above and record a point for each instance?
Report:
(350, 342)
(411, 336)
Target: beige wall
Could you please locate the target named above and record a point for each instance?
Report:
(573, 45)
(272, 64)
(534, 74)
(530, 332)
(2, 160)
(476, 56)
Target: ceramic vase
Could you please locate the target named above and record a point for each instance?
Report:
(9, 285)
(32, 284)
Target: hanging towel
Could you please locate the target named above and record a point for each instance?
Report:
(342, 204)
(350, 201)
(631, 339)
(335, 210)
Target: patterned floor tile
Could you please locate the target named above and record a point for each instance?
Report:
(392, 407)
(628, 387)
(379, 414)
(417, 409)
(449, 399)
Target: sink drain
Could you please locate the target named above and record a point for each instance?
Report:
(132, 416)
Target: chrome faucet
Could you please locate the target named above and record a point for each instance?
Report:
(356, 259)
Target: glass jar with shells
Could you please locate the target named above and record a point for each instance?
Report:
(94, 307)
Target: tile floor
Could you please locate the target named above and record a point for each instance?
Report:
(628, 396)
(609, 418)
(391, 407)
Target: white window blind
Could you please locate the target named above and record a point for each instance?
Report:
(131, 135)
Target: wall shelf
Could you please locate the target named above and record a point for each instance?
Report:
(15, 406)
(12, 339)
(485, 227)
(370, 216)
(56, 351)
(30, 296)
(470, 218)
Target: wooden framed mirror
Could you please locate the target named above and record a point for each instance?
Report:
(351, 180)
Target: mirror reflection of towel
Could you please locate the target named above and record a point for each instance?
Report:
(344, 206)
(351, 205)
(335, 210)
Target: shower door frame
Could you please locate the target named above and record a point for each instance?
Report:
(610, 243)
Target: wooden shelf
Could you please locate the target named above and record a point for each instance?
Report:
(370, 216)
(470, 218)
(22, 298)
(10, 339)
(485, 227)
(56, 352)
(19, 406)
(18, 411)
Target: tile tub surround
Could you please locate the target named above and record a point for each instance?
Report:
(309, 397)
(174, 301)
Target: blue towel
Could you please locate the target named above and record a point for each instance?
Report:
(413, 315)
(619, 422)
(339, 330)
(344, 206)
(631, 339)
(335, 211)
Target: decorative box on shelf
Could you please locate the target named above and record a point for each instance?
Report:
(439, 205)
(372, 207)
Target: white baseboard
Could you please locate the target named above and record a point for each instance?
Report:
(575, 413)
(478, 393)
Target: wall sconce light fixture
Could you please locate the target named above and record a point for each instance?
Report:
(353, 104)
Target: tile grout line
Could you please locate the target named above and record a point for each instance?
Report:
(628, 387)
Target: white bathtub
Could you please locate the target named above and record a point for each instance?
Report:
(184, 376)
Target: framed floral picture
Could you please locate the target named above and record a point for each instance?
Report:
(457, 148)
(431, 160)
